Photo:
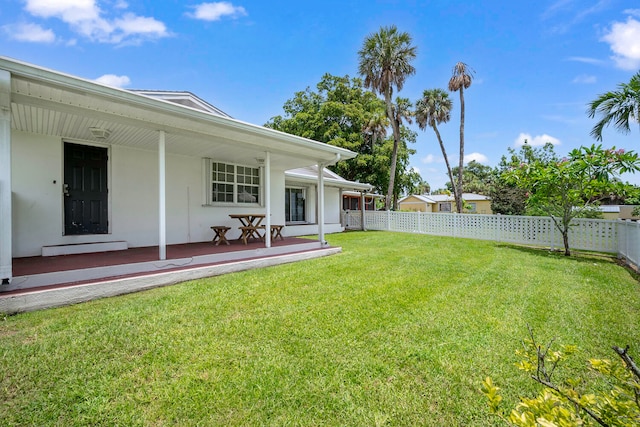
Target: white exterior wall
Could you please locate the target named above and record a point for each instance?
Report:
(37, 175)
(332, 205)
(277, 196)
(332, 212)
(36, 162)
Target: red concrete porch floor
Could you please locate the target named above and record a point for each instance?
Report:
(42, 282)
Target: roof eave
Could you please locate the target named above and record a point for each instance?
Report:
(326, 153)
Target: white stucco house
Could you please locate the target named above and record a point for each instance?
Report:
(88, 166)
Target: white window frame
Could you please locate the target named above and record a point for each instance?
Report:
(304, 195)
(238, 181)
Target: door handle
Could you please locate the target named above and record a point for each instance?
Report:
(65, 190)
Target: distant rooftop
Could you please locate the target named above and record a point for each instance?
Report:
(186, 99)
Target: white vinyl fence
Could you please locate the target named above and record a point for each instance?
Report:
(610, 236)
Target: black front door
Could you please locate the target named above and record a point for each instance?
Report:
(85, 189)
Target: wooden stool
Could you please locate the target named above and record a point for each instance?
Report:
(220, 231)
(276, 231)
(251, 232)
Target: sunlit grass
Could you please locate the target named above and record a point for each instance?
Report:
(398, 329)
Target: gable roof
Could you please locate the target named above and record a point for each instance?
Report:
(420, 197)
(310, 175)
(184, 98)
(438, 198)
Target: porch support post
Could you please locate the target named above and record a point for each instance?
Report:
(6, 273)
(267, 199)
(363, 206)
(341, 207)
(162, 197)
(321, 203)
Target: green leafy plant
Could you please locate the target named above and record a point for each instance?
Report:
(569, 402)
(565, 189)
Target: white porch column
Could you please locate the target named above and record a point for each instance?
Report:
(267, 199)
(6, 272)
(321, 203)
(162, 197)
(362, 209)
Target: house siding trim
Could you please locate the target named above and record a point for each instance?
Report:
(5, 178)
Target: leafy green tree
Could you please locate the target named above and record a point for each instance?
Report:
(343, 113)
(461, 80)
(566, 403)
(385, 62)
(567, 188)
(478, 178)
(618, 107)
(506, 197)
(432, 109)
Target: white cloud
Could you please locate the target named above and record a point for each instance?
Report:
(478, 157)
(633, 12)
(562, 119)
(584, 79)
(217, 10)
(416, 170)
(586, 60)
(624, 41)
(132, 26)
(429, 158)
(30, 33)
(113, 80)
(86, 18)
(535, 141)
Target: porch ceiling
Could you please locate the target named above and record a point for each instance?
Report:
(49, 103)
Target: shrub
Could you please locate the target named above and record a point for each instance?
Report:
(572, 402)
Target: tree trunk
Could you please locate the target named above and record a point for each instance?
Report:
(461, 161)
(446, 161)
(394, 153)
(565, 240)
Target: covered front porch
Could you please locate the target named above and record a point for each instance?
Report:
(43, 282)
(87, 166)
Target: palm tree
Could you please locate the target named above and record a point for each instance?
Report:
(385, 63)
(402, 111)
(460, 80)
(433, 109)
(617, 107)
(375, 128)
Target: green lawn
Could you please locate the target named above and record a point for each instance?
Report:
(398, 329)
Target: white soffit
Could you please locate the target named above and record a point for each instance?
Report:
(51, 103)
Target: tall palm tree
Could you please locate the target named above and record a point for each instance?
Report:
(460, 80)
(618, 107)
(433, 109)
(402, 111)
(385, 63)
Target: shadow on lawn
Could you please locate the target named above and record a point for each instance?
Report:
(576, 256)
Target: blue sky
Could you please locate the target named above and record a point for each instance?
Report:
(537, 64)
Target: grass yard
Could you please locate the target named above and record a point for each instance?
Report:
(399, 329)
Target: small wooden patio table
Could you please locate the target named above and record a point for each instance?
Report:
(251, 223)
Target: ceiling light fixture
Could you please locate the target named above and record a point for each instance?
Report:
(100, 133)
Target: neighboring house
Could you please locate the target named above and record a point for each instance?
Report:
(475, 203)
(618, 212)
(352, 200)
(85, 165)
